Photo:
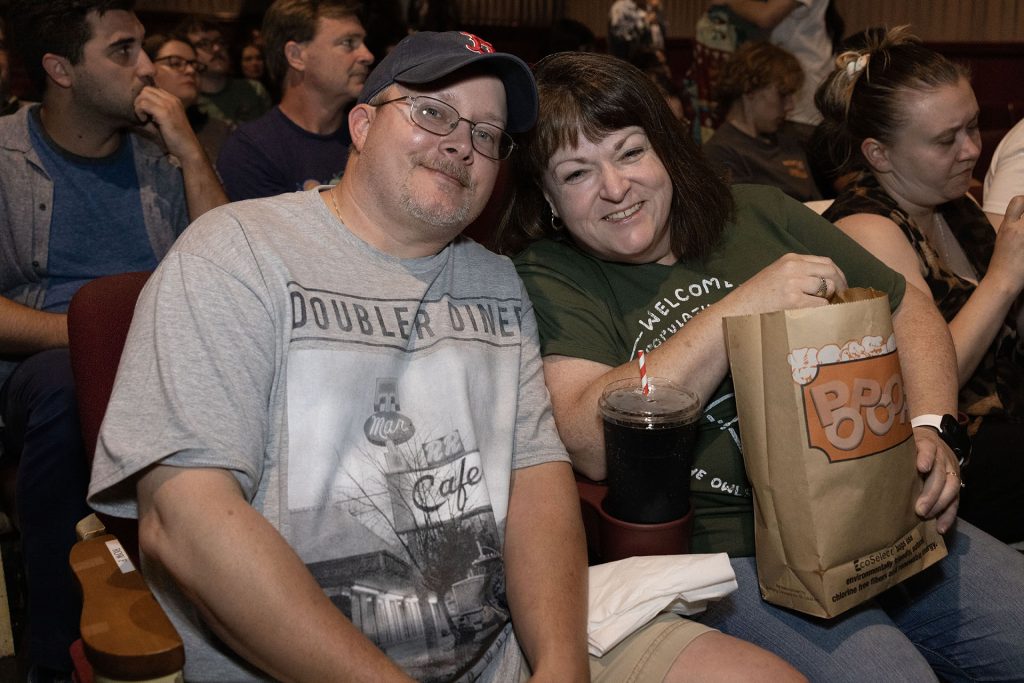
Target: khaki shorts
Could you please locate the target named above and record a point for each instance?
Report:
(648, 654)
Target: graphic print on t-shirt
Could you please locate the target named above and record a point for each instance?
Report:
(655, 324)
(391, 501)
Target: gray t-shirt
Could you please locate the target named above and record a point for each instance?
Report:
(371, 408)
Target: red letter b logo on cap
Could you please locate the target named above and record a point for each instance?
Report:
(478, 45)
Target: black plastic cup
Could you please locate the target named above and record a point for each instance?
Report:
(648, 442)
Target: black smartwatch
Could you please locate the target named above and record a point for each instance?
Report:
(950, 431)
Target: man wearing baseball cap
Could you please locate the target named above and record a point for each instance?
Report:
(331, 419)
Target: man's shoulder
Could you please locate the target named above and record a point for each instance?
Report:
(266, 210)
(236, 86)
(498, 266)
(255, 86)
(244, 89)
(726, 139)
(256, 134)
(246, 223)
(14, 130)
(795, 130)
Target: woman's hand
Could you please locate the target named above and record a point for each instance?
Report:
(938, 466)
(792, 281)
(1007, 264)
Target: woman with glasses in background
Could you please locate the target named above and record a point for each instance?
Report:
(177, 72)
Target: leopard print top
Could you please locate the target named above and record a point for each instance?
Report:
(997, 386)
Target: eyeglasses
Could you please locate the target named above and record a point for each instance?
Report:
(439, 118)
(180, 63)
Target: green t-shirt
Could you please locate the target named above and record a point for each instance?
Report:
(604, 312)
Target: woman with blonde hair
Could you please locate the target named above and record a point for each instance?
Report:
(905, 119)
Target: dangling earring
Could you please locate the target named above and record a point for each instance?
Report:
(556, 222)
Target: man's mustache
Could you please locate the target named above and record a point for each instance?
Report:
(451, 169)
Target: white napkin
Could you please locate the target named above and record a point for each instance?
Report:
(626, 594)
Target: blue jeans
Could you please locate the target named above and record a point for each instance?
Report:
(42, 434)
(962, 619)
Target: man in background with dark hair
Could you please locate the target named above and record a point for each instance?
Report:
(80, 197)
(233, 100)
(315, 52)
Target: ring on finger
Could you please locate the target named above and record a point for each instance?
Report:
(953, 473)
(822, 291)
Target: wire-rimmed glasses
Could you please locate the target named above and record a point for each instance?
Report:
(440, 118)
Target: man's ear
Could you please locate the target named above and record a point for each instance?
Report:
(876, 154)
(293, 55)
(360, 118)
(58, 69)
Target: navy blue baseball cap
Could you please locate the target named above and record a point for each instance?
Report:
(428, 56)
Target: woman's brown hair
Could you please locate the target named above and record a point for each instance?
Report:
(591, 95)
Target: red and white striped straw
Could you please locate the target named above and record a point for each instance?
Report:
(645, 386)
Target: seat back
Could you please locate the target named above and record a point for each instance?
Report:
(125, 634)
(98, 320)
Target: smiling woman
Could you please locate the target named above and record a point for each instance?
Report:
(634, 244)
(586, 188)
(905, 118)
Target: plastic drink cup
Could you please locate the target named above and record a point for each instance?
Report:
(648, 444)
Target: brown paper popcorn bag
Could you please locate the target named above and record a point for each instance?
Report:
(830, 454)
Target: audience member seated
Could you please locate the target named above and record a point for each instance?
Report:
(250, 62)
(252, 65)
(807, 29)
(906, 117)
(756, 144)
(1005, 177)
(287, 499)
(177, 70)
(8, 102)
(233, 100)
(624, 215)
(315, 50)
(630, 28)
(80, 196)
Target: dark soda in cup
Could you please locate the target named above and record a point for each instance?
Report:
(648, 443)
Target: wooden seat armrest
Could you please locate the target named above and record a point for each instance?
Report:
(125, 633)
